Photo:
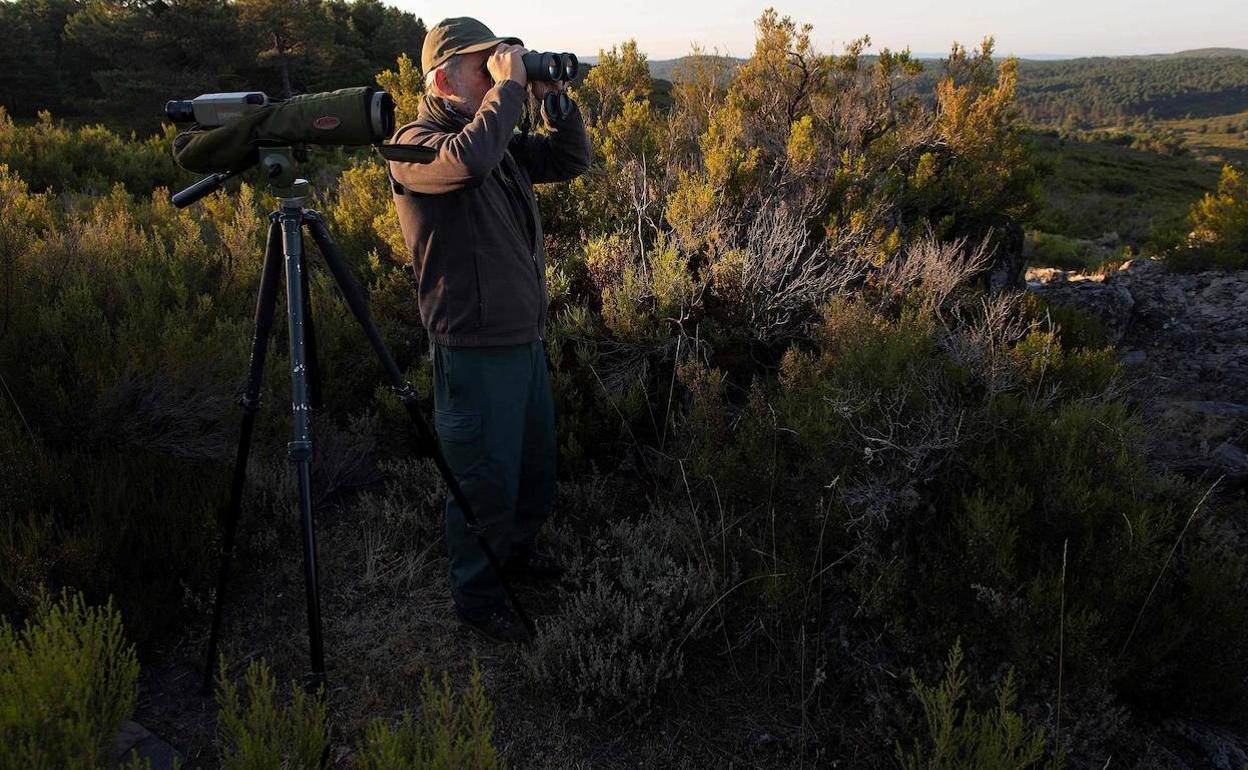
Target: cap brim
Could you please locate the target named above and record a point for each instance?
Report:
(487, 45)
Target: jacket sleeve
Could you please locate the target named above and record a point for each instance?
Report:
(466, 158)
(564, 154)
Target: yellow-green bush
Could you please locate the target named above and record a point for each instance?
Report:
(124, 330)
(1219, 227)
(259, 733)
(958, 735)
(448, 732)
(67, 681)
(49, 155)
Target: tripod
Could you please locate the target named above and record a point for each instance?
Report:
(284, 253)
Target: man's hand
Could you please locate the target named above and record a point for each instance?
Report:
(542, 87)
(505, 64)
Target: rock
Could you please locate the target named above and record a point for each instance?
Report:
(134, 738)
(1222, 749)
(1199, 435)
(1110, 304)
(1184, 342)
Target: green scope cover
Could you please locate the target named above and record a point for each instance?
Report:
(342, 117)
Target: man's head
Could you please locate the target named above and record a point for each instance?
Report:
(454, 59)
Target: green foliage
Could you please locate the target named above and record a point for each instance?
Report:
(748, 321)
(120, 61)
(259, 733)
(124, 328)
(1219, 227)
(406, 85)
(449, 732)
(962, 736)
(67, 682)
(91, 159)
(1101, 90)
(1074, 327)
(1101, 189)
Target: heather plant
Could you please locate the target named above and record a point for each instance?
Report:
(448, 732)
(959, 735)
(50, 155)
(259, 732)
(67, 681)
(259, 729)
(125, 330)
(1000, 495)
(637, 596)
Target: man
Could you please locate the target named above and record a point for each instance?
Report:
(471, 225)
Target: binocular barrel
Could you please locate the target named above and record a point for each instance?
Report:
(551, 66)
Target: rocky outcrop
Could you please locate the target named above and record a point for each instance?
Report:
(1184, 341)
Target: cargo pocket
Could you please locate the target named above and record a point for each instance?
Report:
(459, 436)
(457, 427)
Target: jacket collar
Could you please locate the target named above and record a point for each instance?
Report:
(438, 112)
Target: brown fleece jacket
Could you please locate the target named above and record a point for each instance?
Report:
(470, 220)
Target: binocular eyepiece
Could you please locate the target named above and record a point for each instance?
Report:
(550, 66)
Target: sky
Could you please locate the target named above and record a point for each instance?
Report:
(664, 29)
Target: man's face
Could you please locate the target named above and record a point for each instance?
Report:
(469, 81)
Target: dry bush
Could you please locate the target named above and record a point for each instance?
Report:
(402, 526)
(642, 591)
(937, 271)
(784, 277)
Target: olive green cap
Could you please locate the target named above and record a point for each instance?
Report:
(461, 34)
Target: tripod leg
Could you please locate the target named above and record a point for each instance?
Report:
(265, 302)
(299, 449)
(315, 397)
(354, 296)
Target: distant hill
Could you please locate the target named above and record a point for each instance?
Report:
(1195, 53)
(1091, 90)
(665, 69)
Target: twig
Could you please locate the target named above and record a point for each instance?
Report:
(721, 597)
(1166, 564)
(1061, 645)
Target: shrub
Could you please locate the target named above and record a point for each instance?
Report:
(963, 737)
(644, 591)
(258, 733)
(1219, 227)
(67, 681)
(447, 733)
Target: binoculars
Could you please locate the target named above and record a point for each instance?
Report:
(550, 66)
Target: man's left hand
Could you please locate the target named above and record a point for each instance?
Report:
(542, 87)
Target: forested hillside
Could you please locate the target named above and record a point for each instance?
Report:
(833, 491)
(1096, 91)
(1103, 90)
(119, 62)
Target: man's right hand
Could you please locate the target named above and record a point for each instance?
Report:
(506, 64)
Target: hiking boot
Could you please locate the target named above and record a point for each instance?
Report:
(499, 624)
(534, 564)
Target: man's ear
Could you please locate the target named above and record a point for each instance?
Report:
(442, 82)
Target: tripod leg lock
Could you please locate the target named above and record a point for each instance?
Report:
(249, 402)
(299, 451)
(406, 393)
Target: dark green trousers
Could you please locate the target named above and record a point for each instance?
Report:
(496, 426)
